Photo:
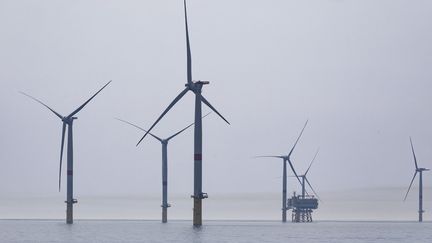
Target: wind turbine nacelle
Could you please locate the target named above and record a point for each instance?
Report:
(203, 82)
(66, 119)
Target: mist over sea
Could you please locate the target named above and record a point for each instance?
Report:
(379, 204)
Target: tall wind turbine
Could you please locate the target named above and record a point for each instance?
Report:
(196, 88)
(285, 159)
(165, 205)
(305, 180)
(67, 122)
(417, 170)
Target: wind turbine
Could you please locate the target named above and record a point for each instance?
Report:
(67, 122)
(417, 170)
(285, 159)
(196, 88)
(165, 205)
(305, 180)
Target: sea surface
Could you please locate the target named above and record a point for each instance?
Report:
(213, 231)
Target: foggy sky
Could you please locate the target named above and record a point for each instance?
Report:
(360, 71)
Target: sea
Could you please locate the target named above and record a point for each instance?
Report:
(213, 231)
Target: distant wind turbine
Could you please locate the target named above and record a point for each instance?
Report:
(67, 121)
(285, 159)
(196, 88)
(165, 205)
(417, 170)
(305, 180)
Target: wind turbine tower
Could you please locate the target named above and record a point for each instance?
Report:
(420, 171)
(67, 122)
(196, 88)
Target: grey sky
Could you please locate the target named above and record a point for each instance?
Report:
(360, 71)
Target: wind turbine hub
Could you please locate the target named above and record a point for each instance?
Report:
(196, 86)
(68, 119)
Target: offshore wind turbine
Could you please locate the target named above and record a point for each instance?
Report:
(285, 159)
(196, 88)
(305, 180)
(164, 141)
(67, 122)
(420, 171)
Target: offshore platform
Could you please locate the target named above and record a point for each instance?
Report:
(302, 207)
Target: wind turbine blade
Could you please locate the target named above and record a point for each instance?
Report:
(166, 110)
(269, 156)
(415, 159)
(40, 102)
(140, 128)
(211, 107)
(307, 181)
(295, 173)
(61, 152)
(298, 138)
(189, 55)
(311, 162)
(415, 173)
(177, 133)
(85, 103)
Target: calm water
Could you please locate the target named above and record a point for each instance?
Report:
(213, 231)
